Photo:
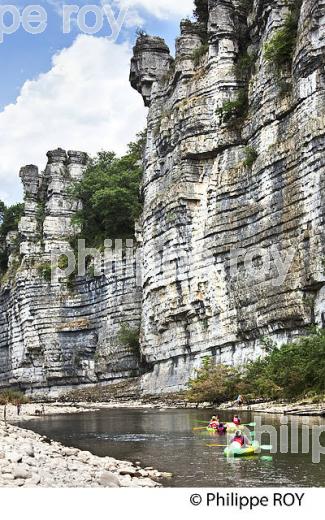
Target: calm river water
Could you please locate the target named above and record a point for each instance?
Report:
(165, 440)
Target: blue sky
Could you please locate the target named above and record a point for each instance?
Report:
(72, 90)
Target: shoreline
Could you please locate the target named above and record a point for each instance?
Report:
(31, 411)
(301, 408)
(28, 459)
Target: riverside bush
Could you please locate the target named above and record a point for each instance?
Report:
(213, 383)
(290, 371)
(11, 397)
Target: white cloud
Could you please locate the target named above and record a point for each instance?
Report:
(163, 9)
(84, 103)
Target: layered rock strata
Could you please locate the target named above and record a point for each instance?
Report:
(54, 331)
(233, 188)
(232, 231)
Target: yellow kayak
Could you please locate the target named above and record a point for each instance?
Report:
(213, 430)
(232, 428)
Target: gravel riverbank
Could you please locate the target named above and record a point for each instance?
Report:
(31, 460)
(299, 408)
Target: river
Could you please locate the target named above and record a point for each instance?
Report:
(165, 440)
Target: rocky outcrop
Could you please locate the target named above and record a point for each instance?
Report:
(151, 61)
(58, 331)
(233, 187)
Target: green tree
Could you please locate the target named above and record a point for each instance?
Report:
(292, 370)
(10, 217)
(109, 192)
(201, 11)
(130, 338)
(9, 220)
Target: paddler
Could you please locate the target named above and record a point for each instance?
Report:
(236, 420)
(241, 439)
(214, 423)
(222, 428)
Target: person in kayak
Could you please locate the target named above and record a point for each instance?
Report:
(241, 439)
(236, 420)
(214, 423)
(222, 428)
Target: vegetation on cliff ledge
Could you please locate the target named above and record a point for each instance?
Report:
(291, 371)
(130, 338)
(280, 49)
(232, 112)
(199, 53)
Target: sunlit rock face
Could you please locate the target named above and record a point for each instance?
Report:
(231, 241)
(55, 335)
(233, 221)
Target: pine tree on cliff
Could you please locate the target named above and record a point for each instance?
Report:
(201, 11)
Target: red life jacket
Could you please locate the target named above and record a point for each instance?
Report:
(240, 440)
(213, 425)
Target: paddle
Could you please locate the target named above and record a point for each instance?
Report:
(262, 447)
(252, 424)
(245, 424)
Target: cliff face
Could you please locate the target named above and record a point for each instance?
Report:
(58, 334)
(232, 232)
(232, 191)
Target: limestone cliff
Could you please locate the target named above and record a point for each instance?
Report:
(57, 334)
(234, 161)
(232, 231)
